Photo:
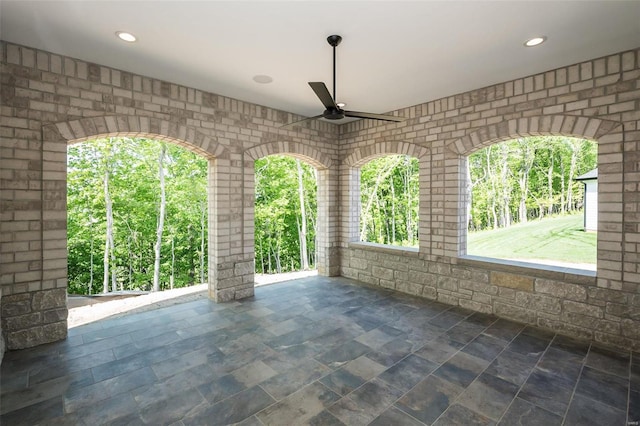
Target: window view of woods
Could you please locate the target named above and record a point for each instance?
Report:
(285, 215)
(525, 203)
(137, 216)
(389, 201)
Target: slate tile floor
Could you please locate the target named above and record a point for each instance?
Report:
(318, 351)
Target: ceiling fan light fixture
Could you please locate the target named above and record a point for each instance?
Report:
(341, 104)
(125, 36)
(535, 41)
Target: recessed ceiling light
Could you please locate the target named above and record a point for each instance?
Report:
(125, 36)
(341, 104)
(535, 41)
(262, 79)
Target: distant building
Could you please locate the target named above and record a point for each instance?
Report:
(590, 181)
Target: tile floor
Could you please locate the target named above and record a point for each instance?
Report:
(318, 351)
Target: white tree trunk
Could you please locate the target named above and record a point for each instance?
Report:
(203, 217)
(109, 246)
(163, 202)
(303, 225)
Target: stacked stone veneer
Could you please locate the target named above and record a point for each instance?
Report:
(49, 101)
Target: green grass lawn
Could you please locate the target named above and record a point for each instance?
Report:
(560, 239)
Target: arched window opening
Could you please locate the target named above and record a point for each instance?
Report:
(285, 215)
(526, 201)
(389, 200)
(137, 216)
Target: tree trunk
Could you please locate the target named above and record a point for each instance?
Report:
(163, 202)
(393, 210)
(91, 258)
(575, 147)
(173, 263)
(108, 248)
(550, 184)
(303, 225)
(203, 223)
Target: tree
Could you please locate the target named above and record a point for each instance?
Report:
(161, 214)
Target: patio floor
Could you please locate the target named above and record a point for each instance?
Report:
(320, 351)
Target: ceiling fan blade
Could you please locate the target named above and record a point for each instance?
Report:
(357, 114)
(323, 93)
(299, 122)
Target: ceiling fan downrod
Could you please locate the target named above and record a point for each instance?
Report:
(334, 40)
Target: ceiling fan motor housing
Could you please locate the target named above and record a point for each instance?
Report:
(333, 114)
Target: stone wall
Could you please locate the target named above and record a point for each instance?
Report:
(597, 100)
(49, 101)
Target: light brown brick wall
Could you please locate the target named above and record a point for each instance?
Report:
(49, 101)
(52, 101)
(598, 100)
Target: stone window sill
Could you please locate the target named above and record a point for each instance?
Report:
(384, 248)
(558, 273)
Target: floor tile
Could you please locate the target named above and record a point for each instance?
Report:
(609, 361)
(461, 369)
(34, 414)
(395, 417)
(343, 354)
(440, 349)
(484, 347)
(429, 399)
(524, 413)
(299, 407)
(461, 415)
(284, 384)
(634, 406)
(342, 381)
(89, 395)
(325, 418)
(220, 388)
(464, 332)
(607, 388)
(504, 330)
(489, 396)
(512, 367)
(587, 412)
(167, 411)
(231, 410)
(254, 373)
(545, 391)
(528, 345)
(407, 373)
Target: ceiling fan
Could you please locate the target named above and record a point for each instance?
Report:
(334, 111)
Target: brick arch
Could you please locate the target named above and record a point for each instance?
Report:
(360, 156)
(565, 125)
(304, 152)
(133, 126)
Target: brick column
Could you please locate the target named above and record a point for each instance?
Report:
(328, 217)
(231, 259)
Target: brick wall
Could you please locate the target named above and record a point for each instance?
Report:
(49, 101)
(597, 100)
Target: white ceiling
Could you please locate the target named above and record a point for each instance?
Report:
(394, 54)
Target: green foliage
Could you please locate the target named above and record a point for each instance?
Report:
(389, 191)
(278, 217)
(527, 178)
(134, 189)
